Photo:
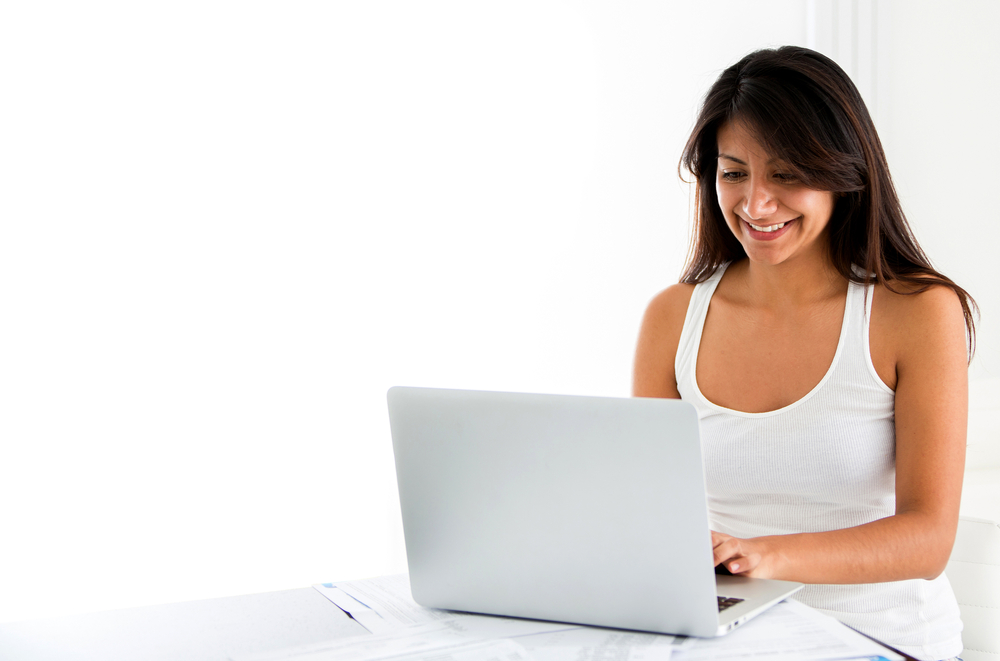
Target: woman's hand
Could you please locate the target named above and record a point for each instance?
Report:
(742, 557)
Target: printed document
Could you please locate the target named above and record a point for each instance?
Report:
(403, 630)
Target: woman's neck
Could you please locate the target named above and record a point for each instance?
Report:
(791, 284)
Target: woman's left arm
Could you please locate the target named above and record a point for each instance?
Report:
(920, 342)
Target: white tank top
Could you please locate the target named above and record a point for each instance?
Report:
(822, 463)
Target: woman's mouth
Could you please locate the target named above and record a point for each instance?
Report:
(767, 232)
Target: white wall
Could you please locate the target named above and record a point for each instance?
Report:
(229, 227)
(941, 135)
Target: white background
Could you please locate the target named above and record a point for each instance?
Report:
(229, 227)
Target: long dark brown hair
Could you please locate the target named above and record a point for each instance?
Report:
(806, 111)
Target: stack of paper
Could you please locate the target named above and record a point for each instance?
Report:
(402, 630)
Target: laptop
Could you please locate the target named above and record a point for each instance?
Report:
(587, 510)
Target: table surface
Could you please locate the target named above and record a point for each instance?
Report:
(209, 630)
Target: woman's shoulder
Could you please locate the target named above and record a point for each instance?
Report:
(667, 310)
(670, 301)
(659, 335)
(908, 306)
(665, 314)
(913, 324)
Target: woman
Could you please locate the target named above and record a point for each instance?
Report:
(827, 359)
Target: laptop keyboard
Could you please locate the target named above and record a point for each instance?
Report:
(726, 602)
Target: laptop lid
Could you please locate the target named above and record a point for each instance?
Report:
(588, 510)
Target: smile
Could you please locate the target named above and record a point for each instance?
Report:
(769, 228)
(767, 232)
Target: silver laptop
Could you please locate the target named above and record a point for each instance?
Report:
(588, 510)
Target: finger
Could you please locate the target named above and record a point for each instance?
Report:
(727, 550)
(744, 564)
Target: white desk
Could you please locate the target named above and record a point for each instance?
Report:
(209, 630)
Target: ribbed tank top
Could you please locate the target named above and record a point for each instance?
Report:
(824, 462)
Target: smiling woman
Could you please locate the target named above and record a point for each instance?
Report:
(826, 357)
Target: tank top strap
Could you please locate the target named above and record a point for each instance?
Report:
(858, 354)
(694, 323)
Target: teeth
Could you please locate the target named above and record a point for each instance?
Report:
(770, 228)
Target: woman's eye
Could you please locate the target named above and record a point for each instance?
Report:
(784, 177)
(732, 176)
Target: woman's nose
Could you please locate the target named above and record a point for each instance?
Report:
(759, 202)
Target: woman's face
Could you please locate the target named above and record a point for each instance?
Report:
(772, 214)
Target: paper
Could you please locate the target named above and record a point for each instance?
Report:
(420, 641)
(388, 598)
(363, 615)
(593, 644)
(789, 631)
(448, 639)
(413, 629)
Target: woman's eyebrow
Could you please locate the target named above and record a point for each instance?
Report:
(741, 162)
(732, 158)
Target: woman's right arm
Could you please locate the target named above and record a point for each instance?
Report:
(653, 371)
